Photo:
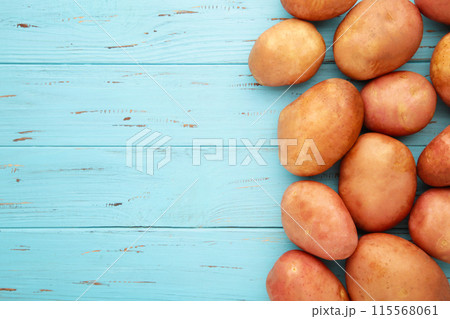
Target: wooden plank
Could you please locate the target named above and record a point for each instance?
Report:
(166, 264)
(105, 105)
(83, 187)
(173, 31)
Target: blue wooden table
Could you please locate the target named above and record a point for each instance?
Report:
(71, 97)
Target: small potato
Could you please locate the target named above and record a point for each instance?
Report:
(399, 103)
(298, 276)
(385, 267)
(429, 223)
(315, 218)
(437, 10)
(288, 53)
(440, 68)
(378, 182)
(324, 122)
(316, 10)
(376, 37)
(433, 166)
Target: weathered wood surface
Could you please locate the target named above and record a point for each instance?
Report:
(166, 264)
(172, 31)
(70, 99)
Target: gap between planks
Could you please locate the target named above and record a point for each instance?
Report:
(162, 64)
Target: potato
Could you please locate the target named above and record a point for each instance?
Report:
(324, 122)
(316, 10)
(315, 218)
(298, 276)
(378, 182)
(399, 103)
(440, 68)
(290, 52)
(429, 223)
(437, 10)
(433, 166)
(377, 37)
(389, 268)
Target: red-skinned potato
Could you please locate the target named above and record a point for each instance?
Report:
(385, 267)
(429, 223)
(315, 218)
(433, 166)
(399, 103)
(437, 10)
(298, 276)
(316, 10)
(376, 37)
(288, 53)
(378, 182)
(325, 121)
(440, 68)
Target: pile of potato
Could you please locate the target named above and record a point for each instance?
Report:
(378, 174)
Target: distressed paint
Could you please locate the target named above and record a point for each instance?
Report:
(188, 264)
(70, 99)
(219, 32)
(92, 186)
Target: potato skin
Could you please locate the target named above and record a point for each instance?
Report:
(317, 10)
(378, 182)
(323, 226)
(375, 40)
(330, 114)
(290, 52)
(429, 223)
(391, 268)
(298, 276)
(440, 68)
(433, 166)
(399, 103)
(437, 10)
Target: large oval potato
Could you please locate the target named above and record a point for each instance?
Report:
(290, 52)
(429, 223)
(316, 10)
(385, 267)
(440, 68)
(298, 276)
(323, 123)
(376, 37)
(315, 218)
(433, 166)
(378, 182)
(437, 10)
(399, 103)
